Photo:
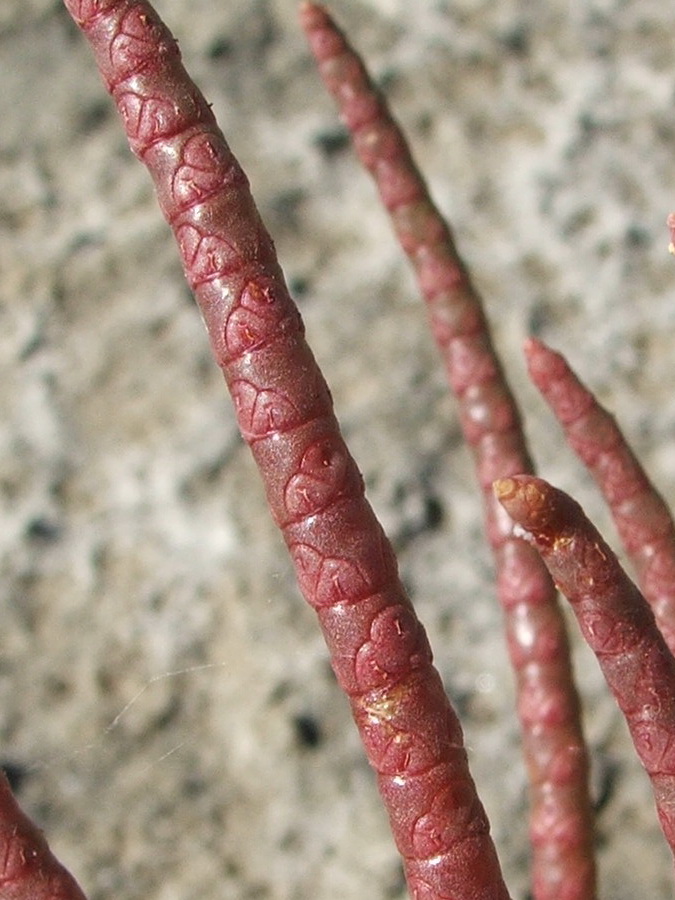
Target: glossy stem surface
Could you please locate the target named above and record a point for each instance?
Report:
(644, 522)
(344, 563)
(615, 620)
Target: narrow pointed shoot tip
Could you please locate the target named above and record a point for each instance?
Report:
(545, 366)
(533, 346)
(310, 14)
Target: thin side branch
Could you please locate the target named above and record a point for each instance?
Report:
(644, 522)
(615, 620)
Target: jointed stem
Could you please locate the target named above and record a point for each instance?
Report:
(344, 563)
(615, 620)
(643, 520)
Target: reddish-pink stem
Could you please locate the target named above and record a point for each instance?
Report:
(643, 520)
(615, 620)
(28, 869)
(561, 819)
(345, 565)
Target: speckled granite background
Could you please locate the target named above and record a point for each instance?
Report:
(165, 698)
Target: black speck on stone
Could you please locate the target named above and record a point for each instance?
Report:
(43, 530)
(307, 731)
(636, 236)
(607, 776)
(220, 48)
(330, 143)
(16, 774)
(94, 116)
(433, 512)
(298, 286)
(516, 41)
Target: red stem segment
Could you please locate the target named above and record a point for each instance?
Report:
(561, 820)
(28, 869)
(344, 563)
(644, 522)
(615, 620)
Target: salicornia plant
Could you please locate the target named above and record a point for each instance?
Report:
(344, 564)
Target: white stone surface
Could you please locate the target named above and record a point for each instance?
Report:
(154, 650)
